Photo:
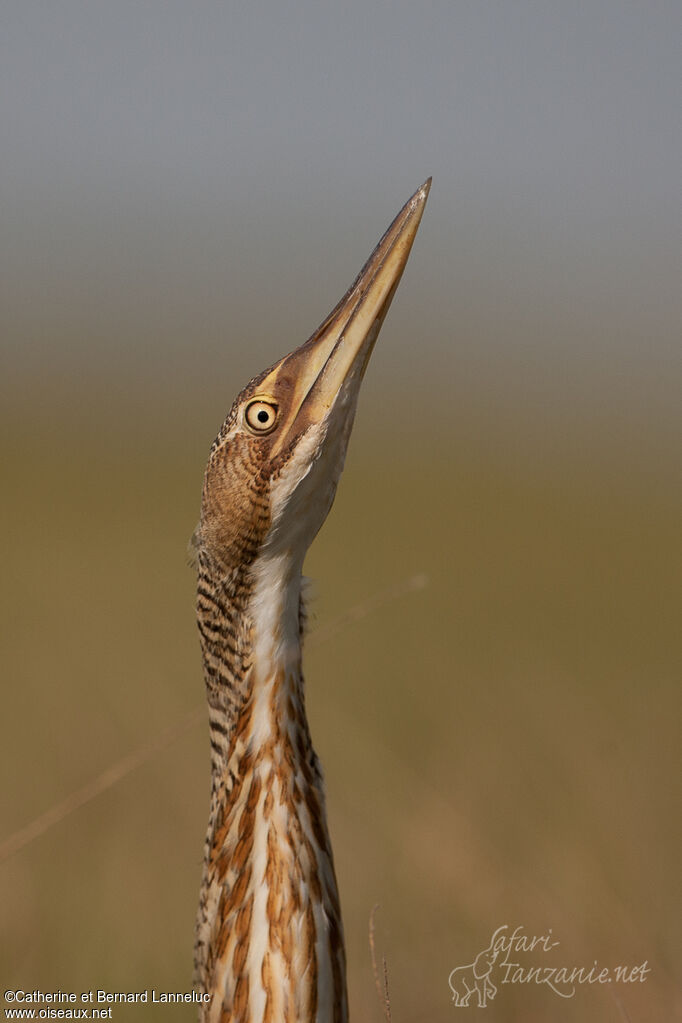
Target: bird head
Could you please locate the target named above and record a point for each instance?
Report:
(273, 469)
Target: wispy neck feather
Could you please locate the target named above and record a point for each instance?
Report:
(269, 935)
(275, 612)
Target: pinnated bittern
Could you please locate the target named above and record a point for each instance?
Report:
(269, 939)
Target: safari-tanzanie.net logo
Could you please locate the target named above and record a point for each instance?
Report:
(507, 959)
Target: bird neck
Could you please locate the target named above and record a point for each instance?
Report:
(269, 935)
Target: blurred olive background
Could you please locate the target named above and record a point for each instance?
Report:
(186, 190)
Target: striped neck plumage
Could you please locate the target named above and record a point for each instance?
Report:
(269, 944)
(269, 935)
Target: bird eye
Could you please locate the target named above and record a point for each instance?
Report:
(260, 416)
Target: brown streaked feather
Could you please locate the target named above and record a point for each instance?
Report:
(269, 938)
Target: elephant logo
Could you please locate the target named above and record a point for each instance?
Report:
(475, 977)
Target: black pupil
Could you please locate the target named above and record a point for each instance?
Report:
(263, 416)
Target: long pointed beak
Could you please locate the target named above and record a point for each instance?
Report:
(329, 367)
